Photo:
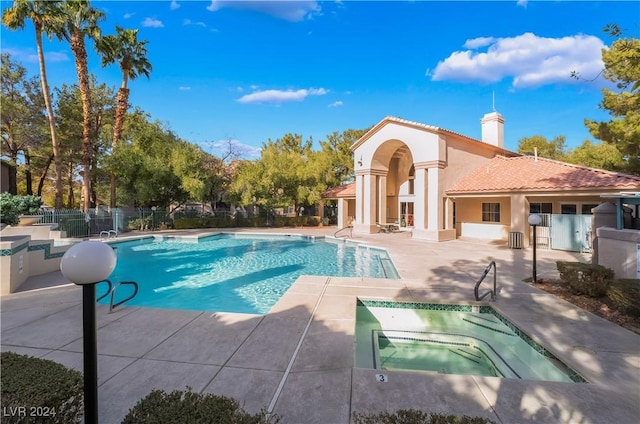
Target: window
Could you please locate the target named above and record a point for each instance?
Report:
(540, 207)
(569, 209)
(491, 212)
(586, 208)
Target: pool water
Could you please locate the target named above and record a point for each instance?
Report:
(451, 339)
(235, 273)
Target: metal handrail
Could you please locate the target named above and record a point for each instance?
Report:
(488, 292)
(113, 292)
(350, 228)
(107, 292)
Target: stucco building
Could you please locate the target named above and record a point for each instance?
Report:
(441, 185)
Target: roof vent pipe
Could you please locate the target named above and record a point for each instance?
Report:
(535, 154)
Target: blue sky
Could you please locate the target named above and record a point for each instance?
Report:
(255, 70)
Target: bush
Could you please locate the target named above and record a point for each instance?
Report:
(47, 391)
(11, 207)
(624, 295)
(590, 279)
(193, 408)
(204, 222)
(412, 416)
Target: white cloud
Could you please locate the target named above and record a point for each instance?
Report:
(184, 88)
(280, 96)
(291, 10)
(474, 43)
(529, 60)
(174, 5)
(336, 103)
(152, 23)
(522, 3)
(190, 22)
(128, 15)
(29, 55)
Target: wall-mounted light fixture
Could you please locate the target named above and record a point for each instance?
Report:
(360, 161)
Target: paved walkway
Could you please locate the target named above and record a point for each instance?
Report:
(298, 360)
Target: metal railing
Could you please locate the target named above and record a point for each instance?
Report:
(126, 299)
(488, 292)
(111, 291)
(350, 228)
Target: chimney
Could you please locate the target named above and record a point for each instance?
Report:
(493, 129)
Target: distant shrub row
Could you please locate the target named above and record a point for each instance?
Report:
(277, 221)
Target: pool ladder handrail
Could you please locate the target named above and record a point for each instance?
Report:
(488, 292)
(349, 227)
(112, 291)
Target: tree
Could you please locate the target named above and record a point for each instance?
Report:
(78, 20)
(44, 15)
(621, 66)
(22, 121)
(336, 156)
(69, 112)
(598, 155)
(550, 149)
(280, 178)
(131, 55)
(152, 165)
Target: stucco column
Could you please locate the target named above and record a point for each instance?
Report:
(435, 216)
(366, 208)
(448, 213)
(519, 208)
(382, 199)
(430, 179)
(359, 200)
(420, 205)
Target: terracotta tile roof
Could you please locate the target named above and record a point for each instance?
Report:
(525, 173)
(346, 190)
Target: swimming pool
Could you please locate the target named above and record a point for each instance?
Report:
(451, 339)
(244, 273)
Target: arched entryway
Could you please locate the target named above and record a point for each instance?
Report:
(399, 168)
(395, 184)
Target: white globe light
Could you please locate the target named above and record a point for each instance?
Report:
(88, 262)
(534, 219)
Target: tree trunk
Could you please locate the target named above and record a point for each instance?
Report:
(80, 54)
(52, 122)
(121, 110)
(27, 172)
(72, 197)
(43, 176)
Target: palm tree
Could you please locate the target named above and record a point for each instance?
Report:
(131, 54)
(80, 19)
(43, 14)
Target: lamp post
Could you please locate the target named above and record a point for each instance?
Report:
(86, 264)
(534, 220)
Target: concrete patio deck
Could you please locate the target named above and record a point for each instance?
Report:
(298, 359)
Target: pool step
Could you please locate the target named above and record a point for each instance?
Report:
(482, 322)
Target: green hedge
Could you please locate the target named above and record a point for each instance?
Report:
(624, 294)
(193, 408)
(413, 416)
(590, 279)
(37, 390)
